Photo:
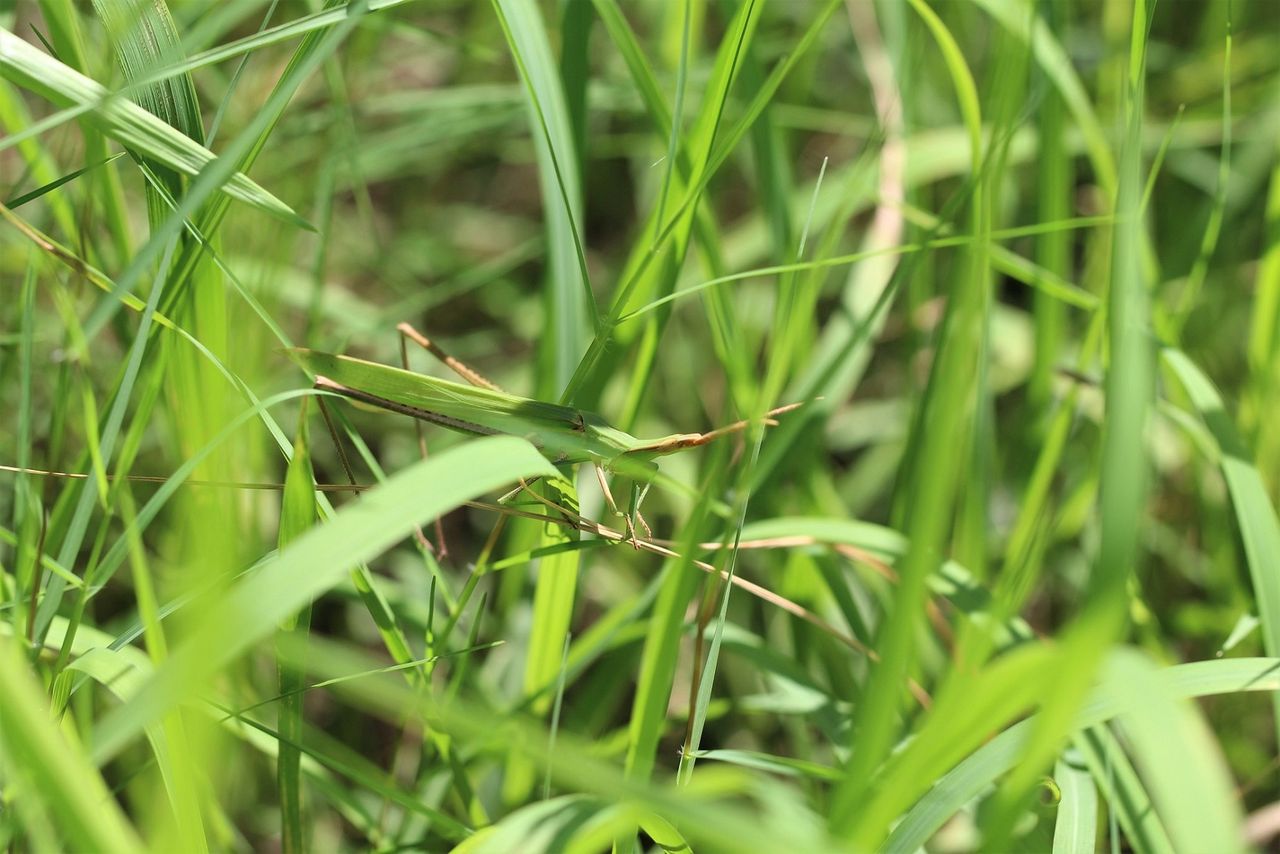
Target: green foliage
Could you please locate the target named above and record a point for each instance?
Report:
(1003, 580)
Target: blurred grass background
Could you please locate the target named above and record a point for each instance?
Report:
(1005, 581)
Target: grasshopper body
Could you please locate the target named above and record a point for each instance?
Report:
(566, 434)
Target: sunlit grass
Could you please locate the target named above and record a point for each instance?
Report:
(1002, 581)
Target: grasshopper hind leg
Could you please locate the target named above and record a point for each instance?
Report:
(462, 369)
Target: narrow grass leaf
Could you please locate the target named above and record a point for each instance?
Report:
(124, 121)
(1075, 829)
(314, 563)
(555, 594)
(1058, 67)
(1129, 807)
(297, 516)
(570, 301)
(1255, 514)
(987, 764)
(782, 765)
(67, 782)
(32, 195)
(1191, 786)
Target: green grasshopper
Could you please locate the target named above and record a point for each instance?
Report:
(566, 435)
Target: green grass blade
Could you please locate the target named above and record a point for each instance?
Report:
(571, 304)
(1053, 248)
(553, 601)
(32, 195)
(1056, 64)
(554, 597)
(1130, 810)
(968, 780)
(1191, 786)
(1254, 512)
(944, 413)
(297, 516)
(1075, 830)
(313, 564)
(124, 121)
(1128, 391)
(1264, 336)
(63, 777)
(576, 19)
(27, 511)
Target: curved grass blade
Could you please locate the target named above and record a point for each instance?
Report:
(1076, 827)
(62, 775)
(297, 516)
(124, 121)
(314, 563)
(1191, 786)
(571, 303)
(1255, 514)
(971, 777)
(933, 480)
(32, 195)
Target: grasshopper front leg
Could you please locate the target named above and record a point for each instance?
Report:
(638, 492)
(613, 505)
(633, 516)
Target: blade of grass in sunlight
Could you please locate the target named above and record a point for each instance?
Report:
(932, 480)
(1075, 829)
(313, 564)
(1129, 389)
(297, 516)
(571, 304)
(988, 763)
(1255, 514)
(124, 121)
(61, 775)
(1190, 786)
